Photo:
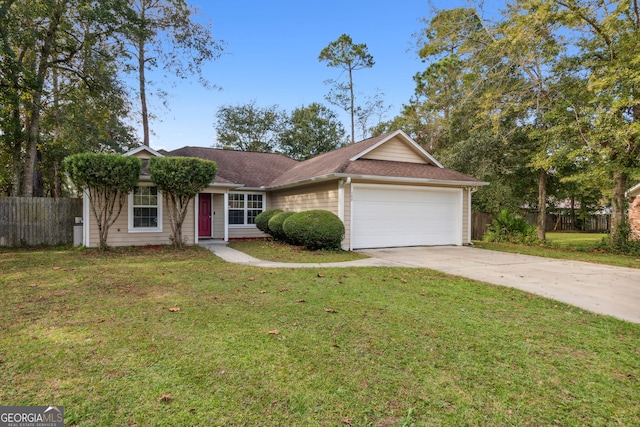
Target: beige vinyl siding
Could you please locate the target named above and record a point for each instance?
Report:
(119, 234)
(218, 216)
(248, 232)
(143, 155)
(395, 150)
(319, 196)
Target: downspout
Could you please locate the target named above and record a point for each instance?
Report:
(86, 216)
(470, 229)
(226, 216)
(341, 202)
(341, 184)
(348, 182)
(196, 205)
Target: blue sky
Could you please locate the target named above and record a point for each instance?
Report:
(271, 51)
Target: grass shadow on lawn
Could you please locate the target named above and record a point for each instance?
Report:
(273, 250)
(155, 336)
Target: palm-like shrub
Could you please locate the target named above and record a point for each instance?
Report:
(508, 227)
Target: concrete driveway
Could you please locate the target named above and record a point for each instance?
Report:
(604, 289)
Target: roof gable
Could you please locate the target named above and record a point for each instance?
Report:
(397, 147)
(364, 160)
(143, 152)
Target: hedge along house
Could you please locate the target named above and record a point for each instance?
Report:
(388, 191)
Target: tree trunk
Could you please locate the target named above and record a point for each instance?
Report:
(542, 204)
(143, 92)
(619, 206)
(28, 177)
(17, 152)
(353, 123)
(573, 212)
(35, 104)
(57, 183)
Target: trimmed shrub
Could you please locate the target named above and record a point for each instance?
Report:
(315, 229)
(511, 228)
(275, 225)
(262, 220)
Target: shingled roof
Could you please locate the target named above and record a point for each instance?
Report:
(339, 162)
(248, 168)
(267, 170)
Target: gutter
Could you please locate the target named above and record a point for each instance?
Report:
(213, 184)
(329, 177)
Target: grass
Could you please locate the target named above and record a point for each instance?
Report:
(576, 241)
(272, 250)
(154, 336)
(572, 246)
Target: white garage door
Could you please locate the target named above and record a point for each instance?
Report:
(394, 215)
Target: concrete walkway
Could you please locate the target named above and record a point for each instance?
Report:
(231, 255)
(603, 289)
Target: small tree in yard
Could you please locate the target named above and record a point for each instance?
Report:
(180, 179)
(107, 179)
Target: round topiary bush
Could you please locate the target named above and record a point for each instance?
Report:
(275, 225)
(315, 229)
(262, 220)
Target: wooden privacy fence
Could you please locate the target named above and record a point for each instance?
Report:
(593, 223)
(566, 222)
(31, 221)
(479, 223)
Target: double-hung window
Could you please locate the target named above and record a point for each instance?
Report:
(244, 208)
(145, 209)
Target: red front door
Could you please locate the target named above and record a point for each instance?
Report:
(204, 215)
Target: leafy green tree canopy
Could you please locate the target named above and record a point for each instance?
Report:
(108, 179)
(111, 172)
(249, 127)
(343, 53)
(180, 179)
(182, 176)
(311, 131)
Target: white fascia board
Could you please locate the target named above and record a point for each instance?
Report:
(228, 185)
(391, 179)
(401, 180)
(408, 139)
(635, 190)
(305, 181)
(143, 148)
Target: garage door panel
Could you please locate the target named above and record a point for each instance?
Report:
(405, 216)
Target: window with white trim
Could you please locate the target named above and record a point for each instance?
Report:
(244, 208)
(145, 209)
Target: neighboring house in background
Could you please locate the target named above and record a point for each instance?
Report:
(387, 190)
(634, 210)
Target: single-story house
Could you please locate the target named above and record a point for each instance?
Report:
(388, 191)
(634, 210)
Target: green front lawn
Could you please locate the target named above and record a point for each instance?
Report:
(273, 250)
(576, 241)
(153, 336)
(571, 246)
